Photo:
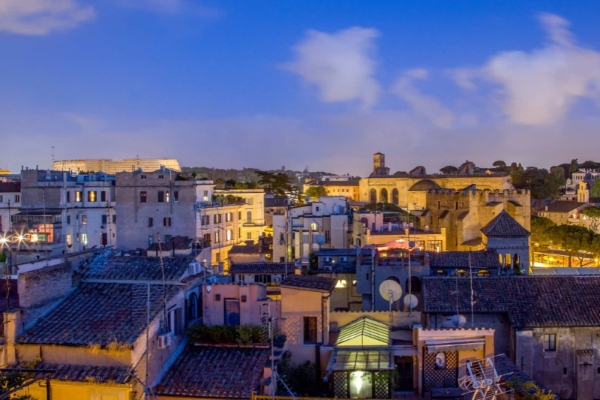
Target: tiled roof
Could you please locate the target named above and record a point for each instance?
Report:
(110, 267)
(529, 301)
(309, 282)
(246, 249)
(338, 252)
(85, 373)
(177, 242)
(261, 268)
(563, 206)
(221, 372)
(10, 187)
(99, 314)
(460, 259)
(503, 225)
(444, 214)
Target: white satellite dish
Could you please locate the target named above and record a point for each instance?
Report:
(459, 320)
(411, 301)
(390, 290)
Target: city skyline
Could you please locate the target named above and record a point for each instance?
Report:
(324, 84)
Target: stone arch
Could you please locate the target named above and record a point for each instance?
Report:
(395, 196)
(462, 272)
(383, 197)
(373, 196)
(364, 221)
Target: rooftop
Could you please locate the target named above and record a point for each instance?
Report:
(462, 259)
(85, 373)
(10, 187)
(261, 268)
(220, 372)
(529, 301)
(108, 266)
(175, 243)
(563, 206)
(309, 282)
(503, 225)
(99, 314)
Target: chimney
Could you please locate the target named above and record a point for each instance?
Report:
(546, 208)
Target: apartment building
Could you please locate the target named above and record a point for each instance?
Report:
(64, 212)
(253, 224)
(157, 206)
(10, 202)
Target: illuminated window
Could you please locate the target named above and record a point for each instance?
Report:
(314, 226)
(78, 196)
(84, 239)
(83, 219)
(228, 217)
(340, 284)
(229, 234)
(92, 196)
(143, 197)
(167, 197)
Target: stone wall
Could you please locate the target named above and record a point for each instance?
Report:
(45, 284)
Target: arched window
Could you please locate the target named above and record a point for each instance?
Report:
(358, 242)
(441, 272)
(364, 221)
(384, 196)
(500, 260)
(415, 284)
(373, 196)
(192, 307)
(507, 262)
(517, 263)
(483, 272)
(395, 197)
(462, 272)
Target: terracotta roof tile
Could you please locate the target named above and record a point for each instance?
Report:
(563, 206)
(99, 314)
(111, 267)
(223, 372)
(309, 282)
(177, 242)
(461, 259)
(503, 225)
(85, 373)
(261, 268)
(529, 301)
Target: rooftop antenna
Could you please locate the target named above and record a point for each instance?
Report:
(52, 156)
(472, 300)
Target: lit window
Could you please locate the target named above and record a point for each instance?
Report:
(229, 234)
(83, 219)
(78, 197)
(92, 196)
(166, 197)
(84, 239)
(310, 330)
(143, 197)
(550, 342)
(167, 221)
(314, 226)
(341, 284)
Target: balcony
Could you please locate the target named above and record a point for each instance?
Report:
(255, 222)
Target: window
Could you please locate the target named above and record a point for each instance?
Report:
(114, 219)
(84, 239)
(239, 215)
(17, 198)
(217, 237)
(249, 235)
(103, 195)
(176, 196)
(249, 216)
(550, 342)
(205, 220)
(161, 196)
(456, 205)
(314, 226)
(206, 238)
(68, 197)
(143, 197)
(206, 195)
(78, 196)
(104, 219)
(217, 218)
(167, 221)
(84, 219)
(229, 234)
(68, 219)
(161, 176)
(167, 197)
(310, 330)
(439, 204)
(92, 196)
(168, 238)
(232, 312)
(69, 240)
(228, 217)
(150, 222)
(175, 322)
(150, 240)
(143, 176)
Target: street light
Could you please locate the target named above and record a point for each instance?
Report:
(5, 241)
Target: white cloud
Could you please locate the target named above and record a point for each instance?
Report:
(40, 17)
(422, 104)
(339, 64)
(172, 7)
(540, 87)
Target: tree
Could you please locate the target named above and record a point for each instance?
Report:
(448, 170)
(594, 248)
(499, 164)
(278, 183)
(541, 234)
(573, 167)
(302, 380)
(314, 192)
(572, 239)
(595, 189)
(593, 213)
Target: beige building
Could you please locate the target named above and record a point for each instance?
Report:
(109, 166)
(252, 221)
(159, 205)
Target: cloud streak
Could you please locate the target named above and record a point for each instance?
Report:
(41, 17)
(340, 65)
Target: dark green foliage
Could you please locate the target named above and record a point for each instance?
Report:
(302, 380)
(528, 390)
(571, 238)
(542, 183)
(316, 191)
(448, 170)
(573, 167)
(499, 164)
(540, 231)
(595, 189)
(223, 334)
(2, 256)
(593, 213)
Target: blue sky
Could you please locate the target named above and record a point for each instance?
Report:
(322, 84)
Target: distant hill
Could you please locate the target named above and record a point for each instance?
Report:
(248, 174)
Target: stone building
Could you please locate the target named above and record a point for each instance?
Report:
(109, 166)
(158, 205)
(10, 202)
(548, 325)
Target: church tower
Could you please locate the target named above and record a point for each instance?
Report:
(379, 168)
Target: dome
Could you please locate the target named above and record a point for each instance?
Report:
(423, 186)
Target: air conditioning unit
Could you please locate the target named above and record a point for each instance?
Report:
(276, 279)
(164, 340)
(343, 258)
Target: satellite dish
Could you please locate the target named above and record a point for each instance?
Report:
(320, 239)
(411, 301)
(208, 288)
(390, 290)
(459, 320)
